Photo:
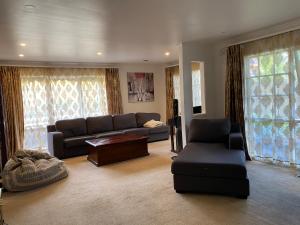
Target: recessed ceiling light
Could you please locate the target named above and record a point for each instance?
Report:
(29, 8)
(99, 53)
(21, 55)
(167, 53)
(22, 44)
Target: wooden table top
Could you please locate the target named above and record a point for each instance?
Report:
(120, 138)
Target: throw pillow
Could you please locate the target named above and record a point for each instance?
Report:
(153, 123)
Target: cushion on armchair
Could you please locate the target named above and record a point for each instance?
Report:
(209, 130)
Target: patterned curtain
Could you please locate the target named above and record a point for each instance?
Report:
(272, 98)
(113, 89)
(234, 108)
(51, 94)
(172, 89)
(12, 109)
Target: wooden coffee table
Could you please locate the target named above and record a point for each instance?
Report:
(116, 148)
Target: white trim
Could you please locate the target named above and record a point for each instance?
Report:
(57, 64)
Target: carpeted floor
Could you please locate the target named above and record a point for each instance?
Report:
(140, 191)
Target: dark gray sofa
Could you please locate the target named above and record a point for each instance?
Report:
(213, 161)
(67, 137)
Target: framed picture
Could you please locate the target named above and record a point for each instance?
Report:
(140, 87)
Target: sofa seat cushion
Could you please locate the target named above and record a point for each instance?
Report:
(139, 131)
(124, 121)
(71, 128)
(77, 141)
(108, 134)
(142, 118)
(99, 124)
(210, 160)
(158, 130)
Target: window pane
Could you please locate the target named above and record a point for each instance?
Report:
(255, 107)
(267, 106)
(281, 62)
(267, 138)
(196, 87)
(252, 67)
(282, 84)
(266, 66)
(282, 142)
(282, 107)
(253, 85)
(266, 85)
(297, 143)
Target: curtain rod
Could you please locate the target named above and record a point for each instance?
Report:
(264, 36)
(56, 64)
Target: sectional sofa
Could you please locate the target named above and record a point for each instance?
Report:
(67, 137)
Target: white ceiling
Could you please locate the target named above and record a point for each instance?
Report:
(127, 30)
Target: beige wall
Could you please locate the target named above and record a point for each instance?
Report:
(159, 104)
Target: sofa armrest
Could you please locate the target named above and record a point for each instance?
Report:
(56, 144)
(236, 141)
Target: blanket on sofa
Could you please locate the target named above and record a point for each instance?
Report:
(31, 169)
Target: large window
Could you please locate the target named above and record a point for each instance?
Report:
(196, 84)
(272, 105)
(176, 86)
(51, 95)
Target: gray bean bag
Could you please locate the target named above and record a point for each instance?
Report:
(32, 169)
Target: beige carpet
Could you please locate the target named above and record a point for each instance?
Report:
(141, 192)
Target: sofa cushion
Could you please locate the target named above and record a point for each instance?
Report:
(140, 131)
(142, 118)
(124, 121)
(209, 130)
(77, 141)
(210, 160)
(157, 130)
(108, 134)
(71, 128)
(99, 124)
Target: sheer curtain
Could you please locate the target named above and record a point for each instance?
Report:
(272, 98)
(54, 94)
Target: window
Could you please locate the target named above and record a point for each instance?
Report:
(196, 84)
(272, 106)
(176, 86)
(59, 94)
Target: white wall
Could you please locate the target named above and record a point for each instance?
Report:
(196, 51)
(159, 104)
